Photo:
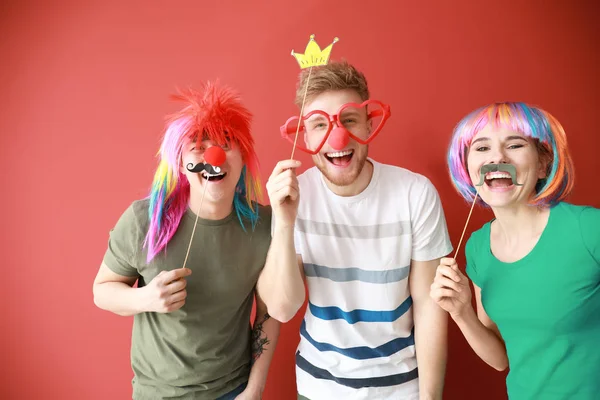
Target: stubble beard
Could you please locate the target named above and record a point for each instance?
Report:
(348, 177)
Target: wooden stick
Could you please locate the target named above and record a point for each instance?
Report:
(467, 223)
(301, 111)
(194, 230)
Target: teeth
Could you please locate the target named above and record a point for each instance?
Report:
(207, 175)
(498, 175)
(339, 154)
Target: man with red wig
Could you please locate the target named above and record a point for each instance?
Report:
(196, 247)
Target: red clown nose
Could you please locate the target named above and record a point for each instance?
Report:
(338, 139)
(215, 156)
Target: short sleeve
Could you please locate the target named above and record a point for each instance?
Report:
(589, 222)
(471, 267)
(123, 243)
(430, 232)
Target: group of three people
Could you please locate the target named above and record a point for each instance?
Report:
(370, 243)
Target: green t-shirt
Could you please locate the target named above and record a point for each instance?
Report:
(547, 306)
(202, 350)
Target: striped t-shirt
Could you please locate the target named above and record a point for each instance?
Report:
(357, 336)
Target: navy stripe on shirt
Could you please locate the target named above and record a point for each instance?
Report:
(356, 383)
(354, 316)
(362, 352)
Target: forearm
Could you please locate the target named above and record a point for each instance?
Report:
(431, 328)
(484, 341)
(281, 284)
(118, 297)
(264, 340)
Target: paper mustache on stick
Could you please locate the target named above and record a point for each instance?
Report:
(203, 167)
(483, 171)
(487, 168)
(214, 157)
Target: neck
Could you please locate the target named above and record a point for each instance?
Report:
(356, 187)
(521, 222)
(208, 208)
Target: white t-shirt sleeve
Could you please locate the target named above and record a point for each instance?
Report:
(430, 232)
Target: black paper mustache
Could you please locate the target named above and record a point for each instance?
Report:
(203, 167)
(498, 168)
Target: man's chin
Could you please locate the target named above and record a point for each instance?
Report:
(339, 177)
(212, 192)
(342, 181)
(215, 196)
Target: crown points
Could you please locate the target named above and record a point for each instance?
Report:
(313, 55)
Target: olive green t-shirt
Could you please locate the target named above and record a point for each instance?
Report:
(202, 350)
(547, 306)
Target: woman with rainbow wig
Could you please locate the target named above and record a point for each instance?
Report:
(535, 266)
(196, 246)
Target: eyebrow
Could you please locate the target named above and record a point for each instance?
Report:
(352, 113)
(483, 139)
(316, 117)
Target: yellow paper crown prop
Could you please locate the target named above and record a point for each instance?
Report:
(313, 55)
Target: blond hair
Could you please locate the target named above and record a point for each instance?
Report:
(337, 75)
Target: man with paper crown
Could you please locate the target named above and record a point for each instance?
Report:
(195, 246)
(366, 237)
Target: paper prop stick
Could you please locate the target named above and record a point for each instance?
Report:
(313, 56)
(468, 218)
(483, 171)
(214, 157)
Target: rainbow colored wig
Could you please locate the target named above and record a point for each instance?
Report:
(217, 113)
(530, 121)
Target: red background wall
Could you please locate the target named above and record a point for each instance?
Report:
(85, 88)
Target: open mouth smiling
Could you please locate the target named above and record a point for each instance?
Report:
(213, 177)
(339, 158)
(498, 179)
